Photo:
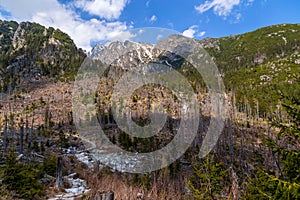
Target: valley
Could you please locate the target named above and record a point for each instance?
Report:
(43, 152)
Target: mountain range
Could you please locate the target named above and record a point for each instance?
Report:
(254, 65)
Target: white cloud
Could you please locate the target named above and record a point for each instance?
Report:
(153, 18)
(108, 9)
(190, 32)
(220, 7)
(202, 33)
(23, 10)
(52, 13)
(159, 37)
(141, 31)
(238, 17)
(148, 3)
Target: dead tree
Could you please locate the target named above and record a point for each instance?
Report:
(231, 140)
(31, 132)
(5, 135)
(26, 128)
(59, 181)
(12, 129)
(21, 138)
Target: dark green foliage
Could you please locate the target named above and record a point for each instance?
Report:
(174, 169)
(61, 36)
(266, 186)
(210, 179)
(21, 178)
(142, 180)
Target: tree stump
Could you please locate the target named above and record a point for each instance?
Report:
(107, 196)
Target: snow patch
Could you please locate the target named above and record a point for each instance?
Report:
(78, 188)
(86, 159)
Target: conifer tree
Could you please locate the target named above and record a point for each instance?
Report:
(210, 179)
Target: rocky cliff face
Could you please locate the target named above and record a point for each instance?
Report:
(136, 57)
(131, 51)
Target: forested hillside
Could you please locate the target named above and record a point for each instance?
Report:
(30, 52)
(256, 65)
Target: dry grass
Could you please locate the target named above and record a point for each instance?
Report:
(126, 191)
(124, 188)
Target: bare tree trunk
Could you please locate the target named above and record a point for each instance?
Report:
(26, 129)
(242, 148)
(21, 138)
(12, 129)
(5, 135)
(59, 181)
(31, 132)
(231, 141)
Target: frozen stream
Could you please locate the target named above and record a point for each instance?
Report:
(78, 186)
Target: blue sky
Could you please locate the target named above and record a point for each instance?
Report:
(91, 21)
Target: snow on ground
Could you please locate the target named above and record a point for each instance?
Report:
(78, 188)
(86, 159)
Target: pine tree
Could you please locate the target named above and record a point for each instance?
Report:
(21, 178)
